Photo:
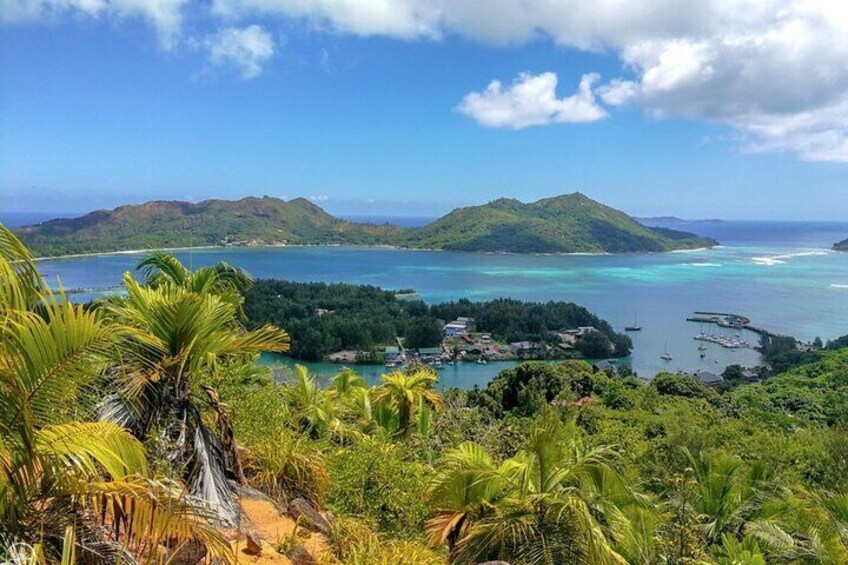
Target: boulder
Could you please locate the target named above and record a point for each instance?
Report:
(299, 555)
(253, 544)
(306, 514)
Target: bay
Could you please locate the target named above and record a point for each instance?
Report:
(780, 274)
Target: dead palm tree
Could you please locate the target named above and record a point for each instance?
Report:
(183, 333)
(56, 469)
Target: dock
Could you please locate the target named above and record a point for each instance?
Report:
(730, 320)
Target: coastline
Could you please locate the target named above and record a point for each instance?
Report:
(363, 246)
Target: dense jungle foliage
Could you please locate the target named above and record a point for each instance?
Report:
(324, 318)
(131, 428)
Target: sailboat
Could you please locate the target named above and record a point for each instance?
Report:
(666, 356)
(635, 327)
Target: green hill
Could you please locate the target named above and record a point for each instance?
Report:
(162, 224)
(841, 245)
(572, 223)
(565, 224)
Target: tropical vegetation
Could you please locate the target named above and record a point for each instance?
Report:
(134, 426)
(566, 224)
(324, 318)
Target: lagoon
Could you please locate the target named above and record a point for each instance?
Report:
(782, 275)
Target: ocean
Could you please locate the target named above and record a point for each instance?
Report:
(782, 275)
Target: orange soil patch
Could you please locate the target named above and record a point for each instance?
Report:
(262, 517)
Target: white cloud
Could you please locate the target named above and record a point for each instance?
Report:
(774, 70)
(165, 15)
(319, 198)
(532, 101)
(245, 49)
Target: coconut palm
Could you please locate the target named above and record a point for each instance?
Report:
(405, 393)
(539, 507)
(55, 468)
(181, 335)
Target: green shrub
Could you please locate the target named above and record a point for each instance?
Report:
(380, 482)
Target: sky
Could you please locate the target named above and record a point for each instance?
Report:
(694, 108)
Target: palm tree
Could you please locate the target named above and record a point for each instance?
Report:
(807, 527)
(542, 506)
(183, 334)
(56, 469)
(728, 495)
(405, 393)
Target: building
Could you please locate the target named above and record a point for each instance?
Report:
(391, 352)
(603, 365)
(460, 326)
(429, 353)
(709, 378)
(455, 328)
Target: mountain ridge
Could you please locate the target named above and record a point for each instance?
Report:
(569, 223)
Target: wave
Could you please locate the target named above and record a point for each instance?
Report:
(839, 285)
(703, 264)
(781, 259)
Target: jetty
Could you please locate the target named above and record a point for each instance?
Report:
(729, 320)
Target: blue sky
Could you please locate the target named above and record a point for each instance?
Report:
(105, 106)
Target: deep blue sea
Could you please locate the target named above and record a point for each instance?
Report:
(780, 274)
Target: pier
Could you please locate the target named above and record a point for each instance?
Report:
(728, 320)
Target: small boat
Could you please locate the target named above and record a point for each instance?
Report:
(666, 356)
(702, 348)
(703, 355)
(481, 361)
(635, 327)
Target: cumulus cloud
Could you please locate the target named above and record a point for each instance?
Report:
(165, 15)
(773, 70)
(319, 198)
(244, 49)
(532, 101)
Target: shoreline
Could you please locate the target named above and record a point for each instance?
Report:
(363, 246)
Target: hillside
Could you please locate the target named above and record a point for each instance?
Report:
(572, 223)
(841, 245)
(162, 224)
(565, 224)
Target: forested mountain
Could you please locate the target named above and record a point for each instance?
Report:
(571, 223)
(164, 224)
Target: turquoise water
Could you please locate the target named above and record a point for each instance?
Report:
(781, 275)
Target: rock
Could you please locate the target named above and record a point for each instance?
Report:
(299, 555)
(189, 552)
(253, 544)
(304, 512)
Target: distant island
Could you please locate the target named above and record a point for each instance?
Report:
(841, 245)
(675, 220)
(571, 223)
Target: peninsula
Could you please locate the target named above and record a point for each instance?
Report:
(571, 223)
(841, 245)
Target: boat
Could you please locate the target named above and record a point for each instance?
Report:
(703, 355)
(635, 327)
(666, 356)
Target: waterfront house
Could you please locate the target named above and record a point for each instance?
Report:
(391, 353)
